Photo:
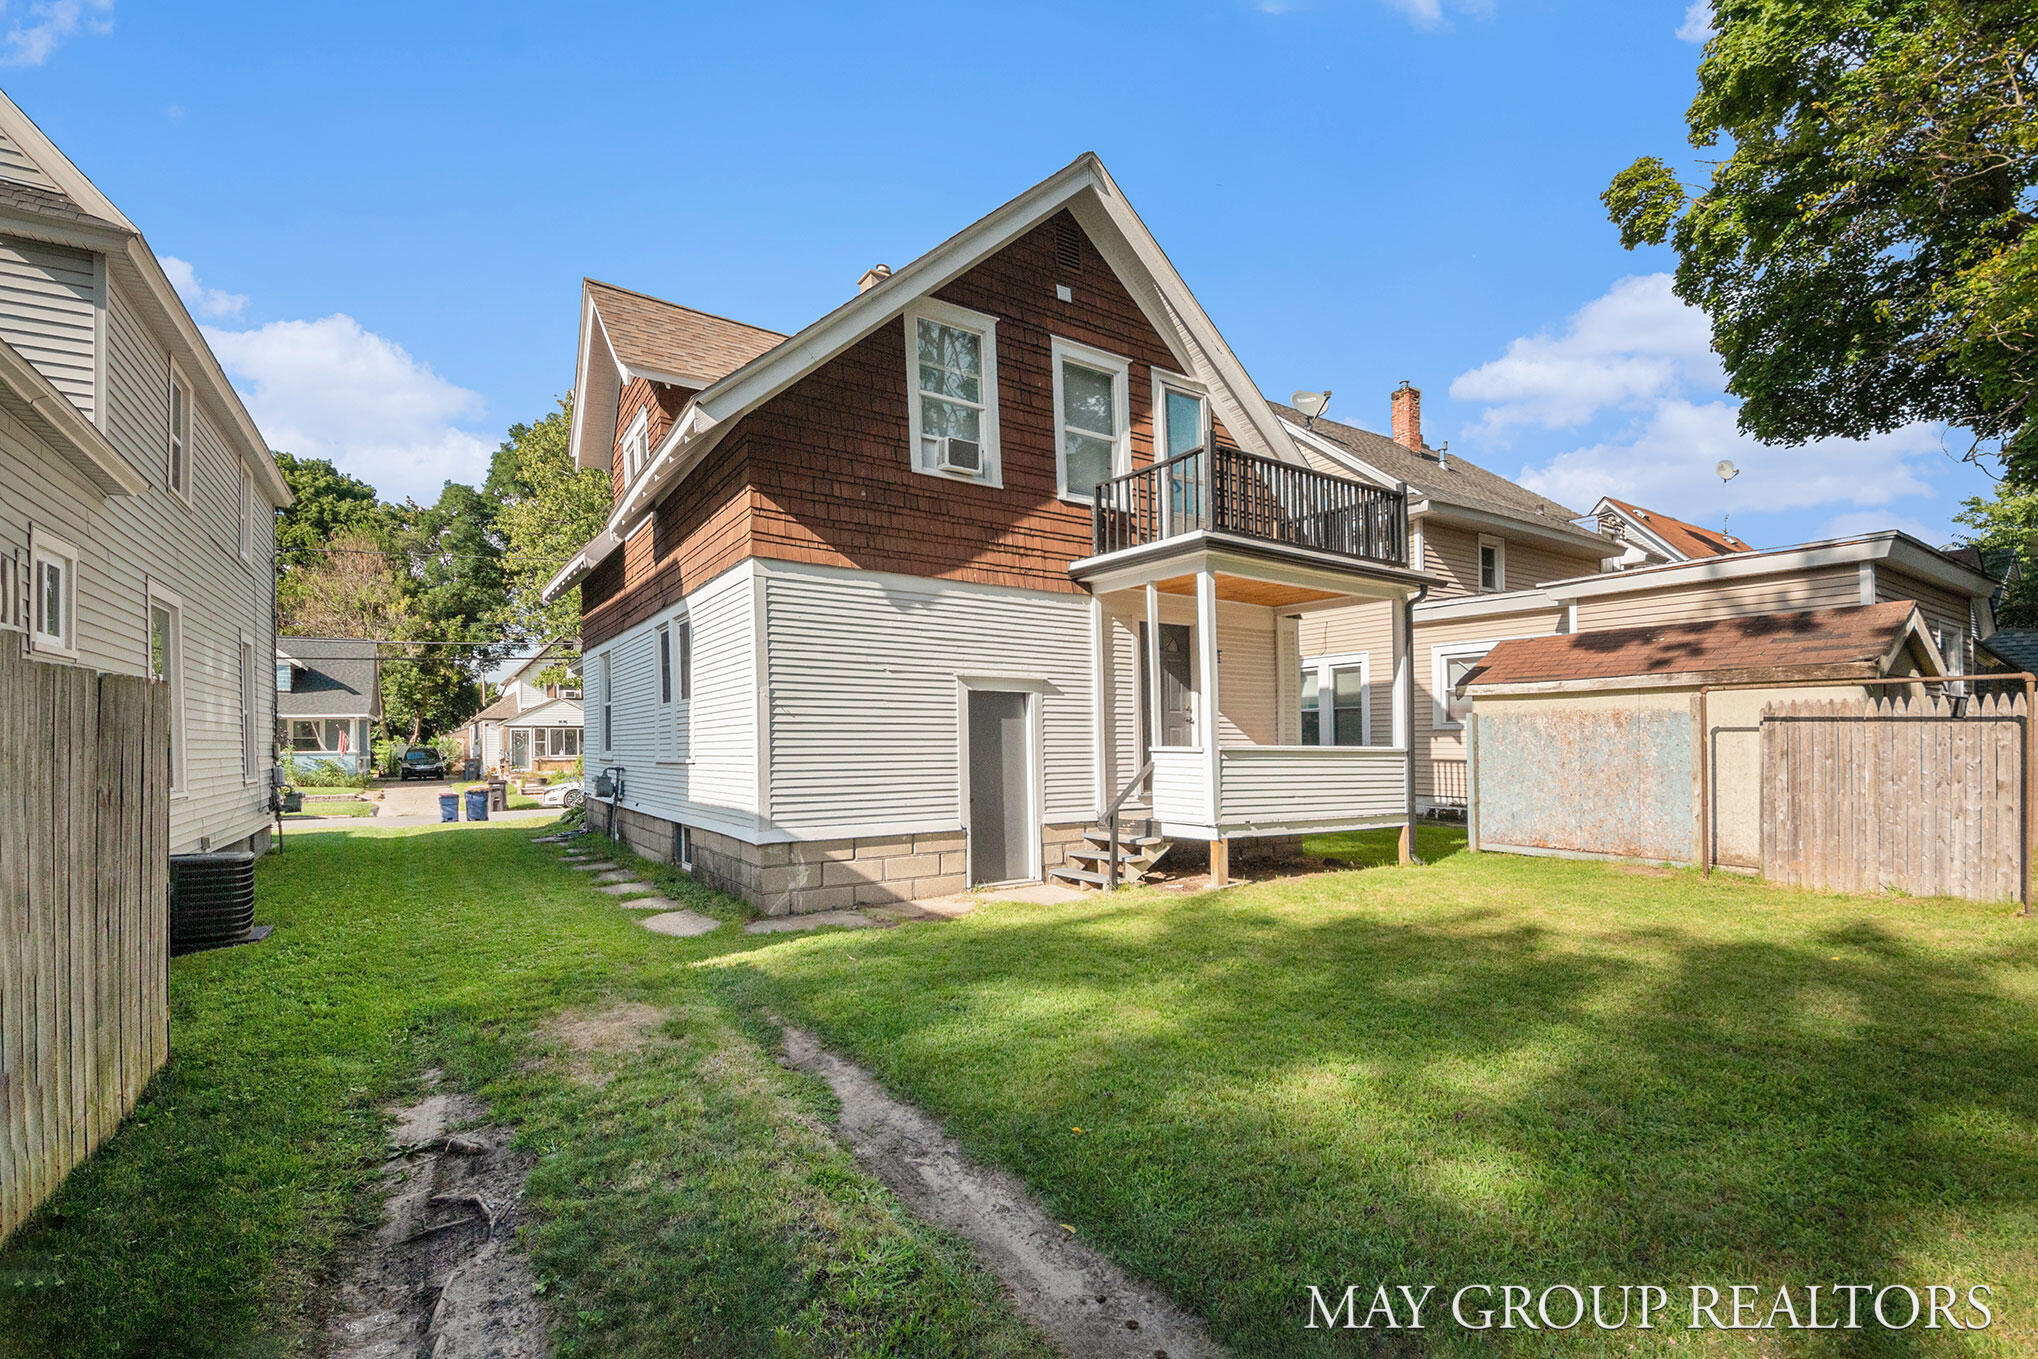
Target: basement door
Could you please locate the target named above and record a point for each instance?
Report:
(1001, 830)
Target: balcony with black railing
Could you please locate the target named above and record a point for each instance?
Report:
(1225, 491)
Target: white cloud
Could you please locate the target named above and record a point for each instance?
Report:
(212, 303)
(1697, 25)
(330, 389)
(49, 22)
(1631, 347)
(1668, 462)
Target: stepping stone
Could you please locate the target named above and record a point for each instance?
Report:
(627, 889)
(783, 924)
(616, 875)
(597, 867)
(650, 904)
(681, 924)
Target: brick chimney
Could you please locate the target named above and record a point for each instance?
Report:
(1408, 416)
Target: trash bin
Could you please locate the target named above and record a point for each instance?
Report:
(477, 804)
(449, 806)
(498, 795)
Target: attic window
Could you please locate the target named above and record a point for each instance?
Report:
(1068, 244)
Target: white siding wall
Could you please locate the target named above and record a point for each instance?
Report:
(1299, 785)
(190, 549)
(706, 773)
(864, 699)
(50, 299)
(16, 165)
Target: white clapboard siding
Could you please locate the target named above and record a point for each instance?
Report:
(706, 775)
(189, 548)
(49, 311)
(1298, 785)
(864, 703)
(17, 165)
(1181, 787)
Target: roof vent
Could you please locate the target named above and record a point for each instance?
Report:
(1068, 244)
(876, 274)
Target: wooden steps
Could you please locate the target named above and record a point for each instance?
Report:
(1138, 851)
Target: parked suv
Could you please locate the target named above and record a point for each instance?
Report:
(421, 762)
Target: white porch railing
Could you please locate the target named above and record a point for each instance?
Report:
(1272, 790)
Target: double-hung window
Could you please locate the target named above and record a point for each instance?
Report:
(179, 472)
(53, 587)
(247, 504)
(250, 757)
(668, 730)
(952, 377)
(1337, 701)
(636, 447)
(608, 707)
(1449, 663)
(166, 666)
(1492, 565)
(1092, 440)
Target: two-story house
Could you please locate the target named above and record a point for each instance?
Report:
(907, 600)
(137, 498)
(534, 724)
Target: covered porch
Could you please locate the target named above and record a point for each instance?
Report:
(1207, 727)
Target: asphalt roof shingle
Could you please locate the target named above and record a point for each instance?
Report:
(1450, 477)
(337, 679)
(1693, 540)
(665, 337)
(1824, 640)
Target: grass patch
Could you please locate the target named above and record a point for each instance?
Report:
(687, 1202)
(336, 807)
(1492, 1069)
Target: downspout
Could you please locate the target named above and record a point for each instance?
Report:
(1408, 603)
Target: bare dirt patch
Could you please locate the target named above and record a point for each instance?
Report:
(1081, 1300)
(443, 1277)
(586, 1037)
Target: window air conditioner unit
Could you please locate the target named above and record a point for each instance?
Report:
(959, 455)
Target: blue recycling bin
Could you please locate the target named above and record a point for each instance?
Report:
(449, 806)
(477, 804)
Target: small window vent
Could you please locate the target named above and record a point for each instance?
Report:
(1068, 244)
(959, 455)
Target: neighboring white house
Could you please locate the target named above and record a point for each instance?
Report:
(137, 498)
(532, 725)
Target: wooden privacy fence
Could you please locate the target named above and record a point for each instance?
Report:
(1923, 795)
(84, 895)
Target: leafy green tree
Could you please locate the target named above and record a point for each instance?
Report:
(347, 588)
(546, 509)
(328, 503)
(2005, 528)
(1865, 250)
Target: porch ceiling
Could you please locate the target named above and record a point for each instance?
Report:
(1244, 590)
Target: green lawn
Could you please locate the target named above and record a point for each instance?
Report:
(688, 1201)
(1491, 1069)
(332, 807)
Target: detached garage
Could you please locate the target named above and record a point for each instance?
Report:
(1587, 744)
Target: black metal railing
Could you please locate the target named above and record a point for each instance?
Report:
(1227, 491)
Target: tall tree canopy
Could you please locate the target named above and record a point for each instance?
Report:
(1865, 251)
(546, 510)
(348, 588)
(327, 503)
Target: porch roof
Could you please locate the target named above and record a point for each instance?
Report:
(1250, 570)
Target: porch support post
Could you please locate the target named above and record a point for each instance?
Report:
(1207, 688)
(1153, 667)
(1404, 715)
(1103, 712)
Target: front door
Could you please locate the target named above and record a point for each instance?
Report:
(1001, 831)
(520, 748)
(1178, 723)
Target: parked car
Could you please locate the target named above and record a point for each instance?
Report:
(421, 762)
(562, 795)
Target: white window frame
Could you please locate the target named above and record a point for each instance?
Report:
(177, 442)
(986, 330)
(666, 679)
(1326, 706)
(1163, 383)
(1119, 369)
(250, 757)
(1499, 546)
(608, 704)
(173, 666)
(1439, 657)
(42, 548)
(247, 504)
(636, 447)
(685, 856)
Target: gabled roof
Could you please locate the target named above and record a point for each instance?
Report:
(1858, 642)
(673, 343)
(2014, 647)
(1448, 477)
(553, 712)
(1685, 541)
(502, 709)
(1083, 188)
(335, 677)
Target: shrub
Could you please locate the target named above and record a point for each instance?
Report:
(325, 774)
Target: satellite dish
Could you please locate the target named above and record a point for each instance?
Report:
(1725, 470)
(1311, 404)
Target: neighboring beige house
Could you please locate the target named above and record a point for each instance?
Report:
(137, 499)
(532, 726)
(1651, 538)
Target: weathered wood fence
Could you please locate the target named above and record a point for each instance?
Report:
(84, 893)
(1905, 793)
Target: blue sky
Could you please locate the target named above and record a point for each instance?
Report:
(383, 211)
